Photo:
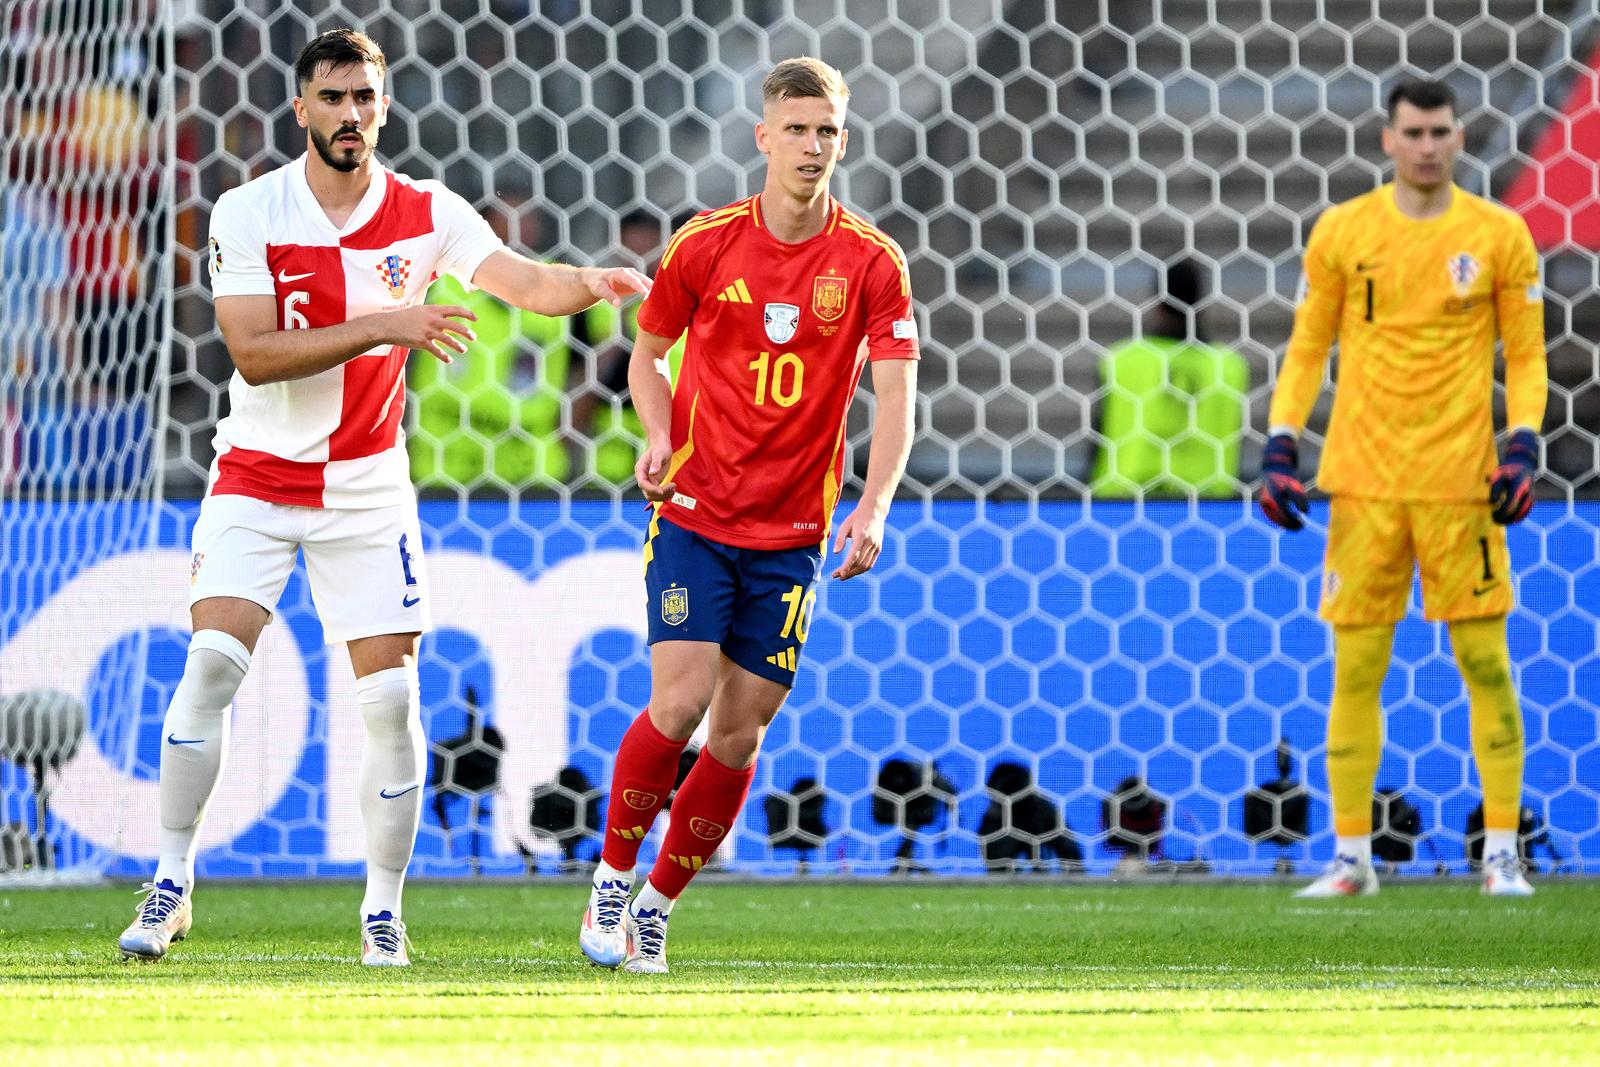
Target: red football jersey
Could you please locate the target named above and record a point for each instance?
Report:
(774, 352)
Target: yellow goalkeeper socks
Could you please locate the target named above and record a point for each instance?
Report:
(1355, 724)
(1485, 662)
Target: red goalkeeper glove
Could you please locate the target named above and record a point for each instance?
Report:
(1282, 497)
(1511, 484)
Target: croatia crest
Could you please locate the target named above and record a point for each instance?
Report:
(1463, 270)
(782, 321)
(827, 297)
(674, 605)
(395, 272)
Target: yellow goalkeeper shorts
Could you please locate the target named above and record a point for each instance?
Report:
(1374, 547)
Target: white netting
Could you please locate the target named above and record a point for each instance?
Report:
(1041, 164)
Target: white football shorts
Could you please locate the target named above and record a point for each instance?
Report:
(365, 564)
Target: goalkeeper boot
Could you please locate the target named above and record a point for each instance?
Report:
(1503, 877)
(164, 918)
(1346, 876)
(384, 942)
(647, 941)
(604, 934)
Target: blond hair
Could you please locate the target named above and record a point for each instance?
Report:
(803, 76)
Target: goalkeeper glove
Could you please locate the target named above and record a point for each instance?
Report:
(1282, 497)
(1511, 484)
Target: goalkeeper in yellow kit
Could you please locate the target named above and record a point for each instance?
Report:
(1414, 280)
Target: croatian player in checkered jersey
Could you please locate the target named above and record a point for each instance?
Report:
(318, 270)
(786, 296)
(1415, 280)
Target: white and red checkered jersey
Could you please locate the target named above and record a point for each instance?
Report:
(333, 439)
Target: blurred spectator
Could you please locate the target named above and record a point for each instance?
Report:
(495, 414)
(1174, 403)
(606, 336)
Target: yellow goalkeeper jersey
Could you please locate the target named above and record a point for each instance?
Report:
(1415, 307)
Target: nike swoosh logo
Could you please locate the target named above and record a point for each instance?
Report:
(1362, 268)
(1495, 746)
(1485, 589)
(173, 739)
(409, 602)
(385, 794)
(282, 277)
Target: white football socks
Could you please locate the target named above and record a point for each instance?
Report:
(194, 746)
(393, 760)
(604, 872)
(1359, 847)
(652, 899)
(1498, 841)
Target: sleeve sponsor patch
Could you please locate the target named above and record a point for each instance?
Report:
(905, 329)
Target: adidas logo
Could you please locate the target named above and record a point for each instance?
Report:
(688, 863)
(736, 293)
(787, 659)
(634, 834)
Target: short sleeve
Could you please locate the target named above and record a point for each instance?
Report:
(891, 319)
(236, 253)
(673, 297)
(465, 239)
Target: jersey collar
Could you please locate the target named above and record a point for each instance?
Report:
(368, 207)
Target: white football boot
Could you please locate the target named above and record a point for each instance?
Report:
(1503, 877)
(164, 918)
(604, 933)
(1346, 876)
(384, 942)
(647, 941)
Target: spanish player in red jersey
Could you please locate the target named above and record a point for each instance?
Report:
(786, 297)
(1414, 280)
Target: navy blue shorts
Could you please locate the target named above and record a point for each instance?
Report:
(756, 604)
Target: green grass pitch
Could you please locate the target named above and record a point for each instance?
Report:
(811, 973)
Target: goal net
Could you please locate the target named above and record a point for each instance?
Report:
(1082, 649)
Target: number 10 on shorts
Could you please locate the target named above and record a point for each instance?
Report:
(800, 601)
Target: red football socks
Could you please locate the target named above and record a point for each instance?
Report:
(702, 814)
(647, 765)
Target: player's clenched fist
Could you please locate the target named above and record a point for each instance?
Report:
(435, 328)
(1511, 485)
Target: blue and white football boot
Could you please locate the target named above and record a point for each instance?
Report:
(164, 918)
(603, 935)
(1346, 876)
(384, 942)
(647, 941)
(1503, 877)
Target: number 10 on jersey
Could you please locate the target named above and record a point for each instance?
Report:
(786, 375)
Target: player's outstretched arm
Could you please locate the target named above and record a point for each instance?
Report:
(650, 389)
(555, 289)
(894, 382)
(263, 353)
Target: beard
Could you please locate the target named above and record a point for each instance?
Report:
(348, 159)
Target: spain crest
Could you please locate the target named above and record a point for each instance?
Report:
(1463, 268)
(705, 829)
(674, 605)
(395, 272)
(827, 297)
(639, 798)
